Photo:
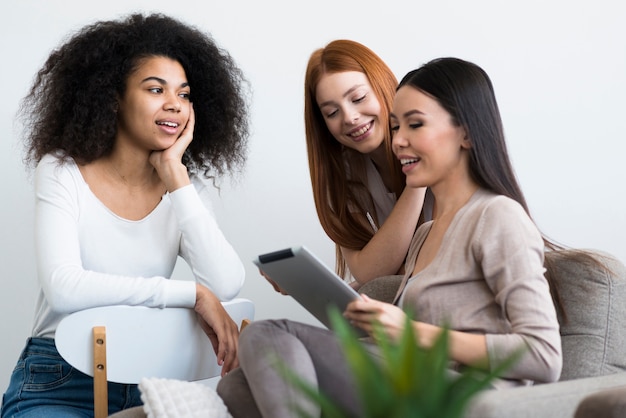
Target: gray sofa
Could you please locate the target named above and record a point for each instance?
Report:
(593, 330)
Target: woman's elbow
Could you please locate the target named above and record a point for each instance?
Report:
(554, 365)
(56, 290)
(548, 364)
(58, 302)
(228, 288)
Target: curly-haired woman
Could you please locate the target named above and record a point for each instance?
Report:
(124, 123)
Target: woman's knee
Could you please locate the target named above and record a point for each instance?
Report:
(235, 392)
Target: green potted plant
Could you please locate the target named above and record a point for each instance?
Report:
(411, 381)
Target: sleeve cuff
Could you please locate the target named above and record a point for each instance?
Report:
(181, 294)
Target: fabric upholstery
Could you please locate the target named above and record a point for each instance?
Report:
(382, 288)
(593, 334)
(551, 400)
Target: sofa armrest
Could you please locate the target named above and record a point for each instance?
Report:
(559, 399)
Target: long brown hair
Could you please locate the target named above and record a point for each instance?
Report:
(334, 190)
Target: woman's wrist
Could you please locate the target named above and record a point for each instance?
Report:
(204, 296)
(175, 177)
(426, 334)
(199, 295)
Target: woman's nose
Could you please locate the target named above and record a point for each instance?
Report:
(352, 118)
(398, 140)
(173, 103)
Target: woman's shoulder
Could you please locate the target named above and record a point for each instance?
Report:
(56, 161)
(501, 214)
(57, 168)
(487, 202)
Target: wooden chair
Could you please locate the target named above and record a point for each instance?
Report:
(124, 344)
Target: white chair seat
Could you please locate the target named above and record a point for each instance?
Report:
(145, 342)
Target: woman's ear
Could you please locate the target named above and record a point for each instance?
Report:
(466, 143)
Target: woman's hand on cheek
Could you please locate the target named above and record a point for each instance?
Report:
(364, 312)
(168, 162)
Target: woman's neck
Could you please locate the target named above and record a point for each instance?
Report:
(131, 169)
(451, 198)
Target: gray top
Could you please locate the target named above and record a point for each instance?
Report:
(488, 278)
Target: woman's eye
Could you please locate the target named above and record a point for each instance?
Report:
(331, 114)
(360, 99)
(184, 95)
(414, 125)
(155, 90)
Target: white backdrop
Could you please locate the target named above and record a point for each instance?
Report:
(559, 69)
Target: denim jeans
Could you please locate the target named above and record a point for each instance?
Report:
(45, 385)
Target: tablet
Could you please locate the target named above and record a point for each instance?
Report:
(308, 280)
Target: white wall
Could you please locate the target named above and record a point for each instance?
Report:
(559, 68)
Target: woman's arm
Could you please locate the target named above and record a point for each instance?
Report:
(465, 348)
(510, 251)
(384, 254)
(219, 327)
(115, 272)
(212, 259)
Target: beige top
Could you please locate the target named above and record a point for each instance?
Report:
(488, 278)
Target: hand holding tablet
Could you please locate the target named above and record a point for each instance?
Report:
(299, 273)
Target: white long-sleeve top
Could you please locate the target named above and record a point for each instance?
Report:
(87, 256)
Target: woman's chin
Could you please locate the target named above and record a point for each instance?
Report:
(415, 184)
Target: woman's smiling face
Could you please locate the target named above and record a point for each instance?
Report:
(429, 145)
(155, 107)
(351, 110)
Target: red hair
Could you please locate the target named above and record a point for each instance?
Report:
(333, 191)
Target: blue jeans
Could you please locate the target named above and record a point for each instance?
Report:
(45, 385)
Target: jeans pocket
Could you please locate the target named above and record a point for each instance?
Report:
(45, 375)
